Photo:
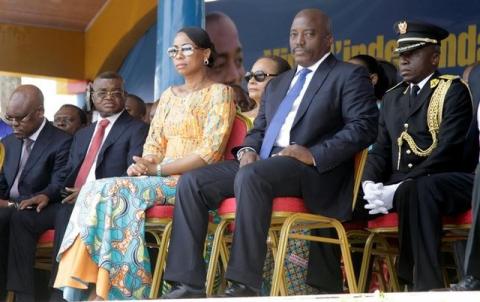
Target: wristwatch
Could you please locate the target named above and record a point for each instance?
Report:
(244, 150)
(11, 204)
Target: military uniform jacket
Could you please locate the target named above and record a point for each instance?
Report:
(396, 115)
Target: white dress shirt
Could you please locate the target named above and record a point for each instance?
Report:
(283, 138)
(112, 119)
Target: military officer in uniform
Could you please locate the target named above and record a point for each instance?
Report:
(414, 166)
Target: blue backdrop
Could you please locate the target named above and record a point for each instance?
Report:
(359, 26)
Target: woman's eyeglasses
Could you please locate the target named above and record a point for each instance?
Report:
(186, 49)
(258, 75)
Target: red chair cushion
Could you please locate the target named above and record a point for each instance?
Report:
(160, 211)
(47, 237)
(280, 204)
(385, 221)
(391, 220)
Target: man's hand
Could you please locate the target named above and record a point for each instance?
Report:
(142, 166)
(299, 152)
(40, 201)
(72, 197)
(248, 157)
(4, 203)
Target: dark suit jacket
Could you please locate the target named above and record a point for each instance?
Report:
(44, 171)
(125, 139)
(395, 113)
(336, 119)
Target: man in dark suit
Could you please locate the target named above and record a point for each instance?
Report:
(311, 123)
(30, 183)
(122, 139)
(414, 167)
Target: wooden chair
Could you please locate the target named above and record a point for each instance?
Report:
(286, 211)
(159, 218)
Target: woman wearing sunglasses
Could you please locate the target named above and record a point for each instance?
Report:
(264, 69)
(103, 254)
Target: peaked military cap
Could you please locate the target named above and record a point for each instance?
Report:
(416, 34)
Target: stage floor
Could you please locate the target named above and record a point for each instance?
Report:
(375, 297)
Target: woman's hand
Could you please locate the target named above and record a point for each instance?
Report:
(142, 166)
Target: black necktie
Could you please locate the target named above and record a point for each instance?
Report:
(413, 94)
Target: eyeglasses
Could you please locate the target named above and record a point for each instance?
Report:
(258, 75)
(20, 119)
(104, 93)
(186, 49)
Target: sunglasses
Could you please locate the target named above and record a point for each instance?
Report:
(258, 75)
(186, 49)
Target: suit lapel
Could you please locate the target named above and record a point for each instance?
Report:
(11, 167)
(314, 85)
(118, 128)
(39, 147)
(278, 94)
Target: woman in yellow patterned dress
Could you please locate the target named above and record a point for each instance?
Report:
(103, 248)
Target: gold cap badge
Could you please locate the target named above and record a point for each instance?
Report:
(402, 27)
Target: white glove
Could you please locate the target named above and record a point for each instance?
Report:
(371, 190)
(384, 202)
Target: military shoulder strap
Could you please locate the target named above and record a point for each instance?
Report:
(434, 119)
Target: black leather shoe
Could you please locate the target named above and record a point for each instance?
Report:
(467, 284)
(236, 289)
(184, 291)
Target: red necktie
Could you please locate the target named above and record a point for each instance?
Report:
(91, 154)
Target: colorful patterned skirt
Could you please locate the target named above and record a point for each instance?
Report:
(104, 241)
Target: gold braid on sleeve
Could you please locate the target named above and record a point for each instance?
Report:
(434, 119)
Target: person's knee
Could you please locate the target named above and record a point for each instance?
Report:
(20, 219)
(404, 192)
(247, 175)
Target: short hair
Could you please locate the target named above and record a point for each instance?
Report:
(81, 113)
(281, 64)
(111, 75)
(374, 68)
(143, 106)
(201, 38)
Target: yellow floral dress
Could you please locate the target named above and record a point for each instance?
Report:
(104, 241)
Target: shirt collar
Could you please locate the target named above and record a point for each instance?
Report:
(315, 66)
(111, 118)
(35, 134)
(422, 82)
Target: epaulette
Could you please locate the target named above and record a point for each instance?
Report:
(449, 77)
(396, 86)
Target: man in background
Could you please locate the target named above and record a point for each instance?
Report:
(228, 68)
(70, 119)
(136, 107)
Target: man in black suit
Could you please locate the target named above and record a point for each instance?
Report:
(30, 184)
(123, 138)
(415, 165)
(312, 121)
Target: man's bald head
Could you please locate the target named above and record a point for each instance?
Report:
(310, 36)
(25, 110)
(27, 95)
(228, 67)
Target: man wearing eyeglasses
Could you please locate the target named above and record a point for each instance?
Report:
(312, 121)
(30, 183)
(103, 149)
